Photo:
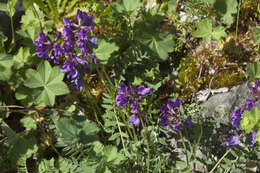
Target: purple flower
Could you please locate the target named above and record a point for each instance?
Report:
(68, 31)
(251, 138)
(77, 84)
(123, 89)
(70, 67)
(250, 104)
(236, 118)
(233, 141)
(164, 122)
(121, 100)
(176, 126)
(134, 119)
(135, 107)
(171, 107)
(85, 20)
(58, 52)
(189, 123)
(43, 44)
(141, 90)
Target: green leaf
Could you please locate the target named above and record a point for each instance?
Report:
(122, 6)
(22, 57)
(205, 30)
(218, 32)
(160, 44)
(6, 63)
(172, 5)
(253, 70)
(67, 166)
(225, 8)
(29, 123)
(3, 7)
(104, 51)
(251, 120)
(256, 36)
(48, 80)
(3, 39)
(31, 23)
(10, 7)
(76, 129)
(47, 166)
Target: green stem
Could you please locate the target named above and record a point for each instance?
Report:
(37, 15)
(120, 133)
(220, 160)
(13, 33)
(197, 144)
(185, 148)
(238, 17)
(148, 147)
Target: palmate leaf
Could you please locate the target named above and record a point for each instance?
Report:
(76, 129)
(22, 58)
(122, 6)
(6, 63)
(206, 31)
(160, 44)
(225, 8)
(251, 120)
(104, 51)
(47, 81)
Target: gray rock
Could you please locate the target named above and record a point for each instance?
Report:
(222, 105)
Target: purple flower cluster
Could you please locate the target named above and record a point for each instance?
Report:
(237, 117)
(73, 52)
(169, 111)
(130, 96)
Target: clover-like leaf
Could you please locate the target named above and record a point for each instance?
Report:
(104, 51)
(47, 81)
(206, 31)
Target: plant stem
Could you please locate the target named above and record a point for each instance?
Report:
(12, 28)
(148, 147)
(239, 3)
(185, 148)
(37, 15)
(220, 160)
(120, 132)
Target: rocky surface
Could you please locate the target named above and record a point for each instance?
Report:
(221, 105)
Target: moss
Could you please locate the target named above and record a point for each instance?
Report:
(210, 66)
